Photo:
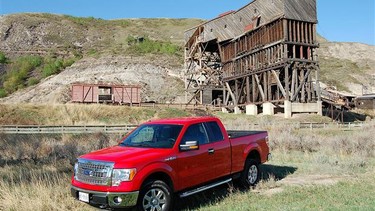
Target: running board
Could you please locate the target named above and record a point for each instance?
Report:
(203, 188)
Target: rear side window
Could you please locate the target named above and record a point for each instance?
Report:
(214, 132)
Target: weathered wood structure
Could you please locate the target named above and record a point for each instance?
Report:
(104, 93)
(264, 52)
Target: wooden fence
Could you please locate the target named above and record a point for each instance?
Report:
(122, 129)
(39, 129)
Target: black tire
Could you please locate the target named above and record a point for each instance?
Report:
(251, 174)
(155, 195)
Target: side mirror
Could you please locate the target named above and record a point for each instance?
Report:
(189, 145)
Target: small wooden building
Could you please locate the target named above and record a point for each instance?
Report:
(104, 93)
(366, 102)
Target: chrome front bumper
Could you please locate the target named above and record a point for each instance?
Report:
(108, 199)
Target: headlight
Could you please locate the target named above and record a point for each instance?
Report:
(75, 170)
(122, 175)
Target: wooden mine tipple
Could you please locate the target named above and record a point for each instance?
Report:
(264, 52)
(103, 93)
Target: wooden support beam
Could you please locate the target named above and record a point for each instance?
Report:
(295, 31)
(293, 81)
(303, 83)
(279, 83)
(300, 86)
(236, 89)
(265, 86)
(298, 31)
(269, 94)
(309, 89)
(290, 37)
(260, 88)
(248, 89)
(317, 84)
(225, 100)
(254, 87)
(240, 95)
(231, 94)
(287, 80)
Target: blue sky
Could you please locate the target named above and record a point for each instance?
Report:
(339, 20)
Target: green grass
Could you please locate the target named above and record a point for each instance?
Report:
(327, 169)
(348, 195)
(75, 114)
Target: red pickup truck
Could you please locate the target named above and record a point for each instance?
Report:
(162, 159)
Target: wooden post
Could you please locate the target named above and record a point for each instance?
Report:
(303, 83)
(248, 89)
(254, 89)
(293, 81)
(286, 80)
(265, 86)
(260, 88)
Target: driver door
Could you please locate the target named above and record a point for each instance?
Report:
(195, 166)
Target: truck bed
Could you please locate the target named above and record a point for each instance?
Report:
(241, 133)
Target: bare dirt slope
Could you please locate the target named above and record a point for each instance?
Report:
(349, 67)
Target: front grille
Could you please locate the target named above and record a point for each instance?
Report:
(94, 172)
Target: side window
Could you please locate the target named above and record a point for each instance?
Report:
(214, 132)
(196, 133)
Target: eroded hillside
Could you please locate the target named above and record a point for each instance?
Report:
(109, 52)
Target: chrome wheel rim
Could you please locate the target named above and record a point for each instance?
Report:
(252, 175)
(154, 200)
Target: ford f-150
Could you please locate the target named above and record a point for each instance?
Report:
(168, 158)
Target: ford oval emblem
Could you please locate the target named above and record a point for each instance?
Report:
(88, 173)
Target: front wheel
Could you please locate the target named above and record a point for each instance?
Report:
(155, 196)
(250, 175)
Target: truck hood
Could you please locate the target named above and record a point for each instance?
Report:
(127, 155)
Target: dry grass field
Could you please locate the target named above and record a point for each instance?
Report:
(320, 169)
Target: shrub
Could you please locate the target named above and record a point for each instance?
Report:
(3, 93)
(52, 67)
(19, 71)
(32, 81)
(148, 46)
(3, 58)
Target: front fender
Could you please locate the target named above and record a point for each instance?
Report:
(153, 168)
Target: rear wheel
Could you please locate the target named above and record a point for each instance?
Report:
(155, 196)
(250, 175)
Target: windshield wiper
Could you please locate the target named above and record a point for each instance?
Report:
(143, 144)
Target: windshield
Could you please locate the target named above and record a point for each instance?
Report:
(153, 136)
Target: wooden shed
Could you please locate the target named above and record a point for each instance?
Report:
(366, 102)
(104, 93)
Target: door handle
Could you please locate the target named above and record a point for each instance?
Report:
(211, 151)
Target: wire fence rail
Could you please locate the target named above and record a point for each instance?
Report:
(122, 129)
